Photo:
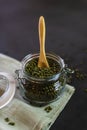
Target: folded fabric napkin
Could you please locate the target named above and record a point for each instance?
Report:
(18, 115)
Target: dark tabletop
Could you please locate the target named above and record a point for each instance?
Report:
(66, 35)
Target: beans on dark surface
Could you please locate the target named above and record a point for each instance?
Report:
(77, 75)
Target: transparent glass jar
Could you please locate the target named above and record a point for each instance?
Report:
(7, 88)
(4, 85)
(41, 91)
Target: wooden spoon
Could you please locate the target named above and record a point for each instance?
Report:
(42, 62)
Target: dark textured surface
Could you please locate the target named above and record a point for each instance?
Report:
(66, 35)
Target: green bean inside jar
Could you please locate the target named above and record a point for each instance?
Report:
(38, 85)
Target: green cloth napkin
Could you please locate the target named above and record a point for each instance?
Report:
(24, 116)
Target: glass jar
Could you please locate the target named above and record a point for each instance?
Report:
(41, 91)
(7, 88)
(3, 85)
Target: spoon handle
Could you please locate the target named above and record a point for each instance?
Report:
(42, 58)
(42, 31)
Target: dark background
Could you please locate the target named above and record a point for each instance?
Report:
(66, 35)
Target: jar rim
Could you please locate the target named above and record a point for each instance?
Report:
(49, 55)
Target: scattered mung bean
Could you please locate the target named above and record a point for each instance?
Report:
(48, 109)
(11, 123)
(7, 119)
